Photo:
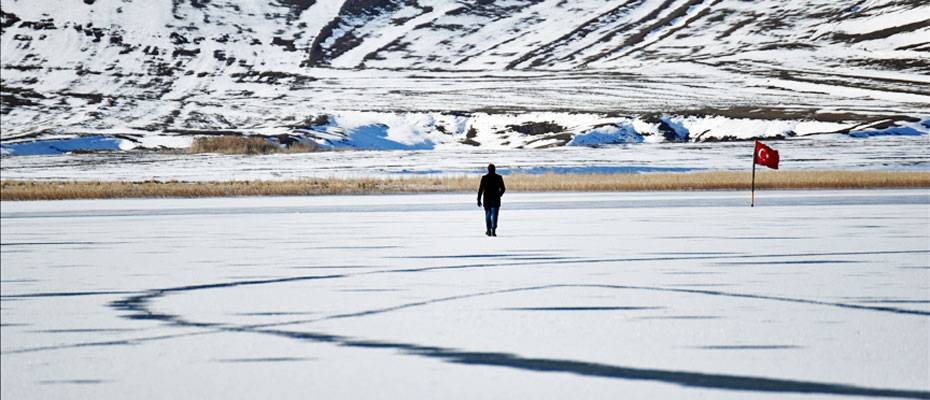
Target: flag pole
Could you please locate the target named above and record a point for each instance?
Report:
(752, 202)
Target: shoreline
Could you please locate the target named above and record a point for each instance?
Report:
(23, 190)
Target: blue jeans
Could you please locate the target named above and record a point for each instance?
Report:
(490, 217)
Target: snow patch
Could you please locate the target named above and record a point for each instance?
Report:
(62, 146)
(619, 133)
(899, 128)
(375, 137)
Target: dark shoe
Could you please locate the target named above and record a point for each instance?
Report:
(493, 232)
(487, 232)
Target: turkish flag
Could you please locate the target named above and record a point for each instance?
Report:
(766, 156)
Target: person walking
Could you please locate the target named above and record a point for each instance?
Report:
(492, 186)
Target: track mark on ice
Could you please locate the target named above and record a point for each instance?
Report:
(263, 359)
(583, 308)
(749, 347)
(682, 378)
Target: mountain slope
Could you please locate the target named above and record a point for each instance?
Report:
(161, 67)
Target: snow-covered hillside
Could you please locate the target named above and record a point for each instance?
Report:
(597, 69)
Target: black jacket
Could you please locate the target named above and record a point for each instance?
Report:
(492, 185)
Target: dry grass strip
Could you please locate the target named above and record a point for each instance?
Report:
(722, 180)
(228, 144)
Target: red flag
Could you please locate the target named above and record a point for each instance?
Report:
(766, 156)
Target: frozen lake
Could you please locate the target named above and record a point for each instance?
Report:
(613, 295)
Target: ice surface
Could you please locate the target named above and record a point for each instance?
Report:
(647, 295)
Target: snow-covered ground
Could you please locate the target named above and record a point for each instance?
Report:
(463, 131)
(647, 295)
(153, 67)
(825, 152)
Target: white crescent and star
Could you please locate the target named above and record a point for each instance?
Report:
(763, 155)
